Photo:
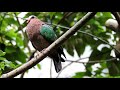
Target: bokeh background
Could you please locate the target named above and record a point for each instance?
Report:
(87, 55)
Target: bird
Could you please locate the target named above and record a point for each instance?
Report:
(41, 36)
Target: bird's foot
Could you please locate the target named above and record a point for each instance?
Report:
(36, 54)
(43, 50)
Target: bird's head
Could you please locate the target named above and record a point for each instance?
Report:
(30, 18)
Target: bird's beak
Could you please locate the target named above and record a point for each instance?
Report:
(27, 20)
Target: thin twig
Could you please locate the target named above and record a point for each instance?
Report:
(54, 45)
(22, 18)
(96, 61)
(66, 67)
(100, 40)
(69, 65)
(51, 68)
(24, 34)
(58, 25)
(17, 16)
(77, 61)
(67, 14)
(89, 35)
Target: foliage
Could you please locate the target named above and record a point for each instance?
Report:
(14, 49)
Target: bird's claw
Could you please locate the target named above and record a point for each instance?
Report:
(43, 50)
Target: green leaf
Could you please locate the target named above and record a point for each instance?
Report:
(2, 65)
(20, 55)
(11, 33)
(79, 46)
(10, 49)
(19, 40)
(10, 20)
(69, 48)
(2, 53)
(101, 55)
(38, 65)
(2, 58)
(9, 64)
(114, 67)
(52, 14)
(79, 75)
(0, 71)
(88, 70)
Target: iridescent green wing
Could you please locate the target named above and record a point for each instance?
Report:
(48, 33)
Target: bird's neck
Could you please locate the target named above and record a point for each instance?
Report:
(33, 30)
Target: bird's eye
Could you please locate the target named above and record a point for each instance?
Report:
(33, 17)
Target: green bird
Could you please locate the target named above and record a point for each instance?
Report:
(41, 36)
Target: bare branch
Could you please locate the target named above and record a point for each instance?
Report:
(51, 69)
(89, 35)
(96, 61)
(101, 40)
(21, 18)
(58, 25)
(54, 45)
(25, 36)
(69, 65)
(64, 69)
(77, 61)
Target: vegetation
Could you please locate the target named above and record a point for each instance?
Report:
(15, 51)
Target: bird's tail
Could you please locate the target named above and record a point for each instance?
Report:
(57, 63)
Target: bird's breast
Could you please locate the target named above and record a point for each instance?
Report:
(38, 41)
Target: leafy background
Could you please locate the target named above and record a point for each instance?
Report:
(15, 51)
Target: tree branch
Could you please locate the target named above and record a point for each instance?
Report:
(96, 61)
(99, 39)
(69, 65)
(64, 69)
(51, 69)
(54, 45)
(89, 35)
(25, 36)
(77, 61)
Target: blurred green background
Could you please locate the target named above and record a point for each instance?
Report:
(15, 51)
